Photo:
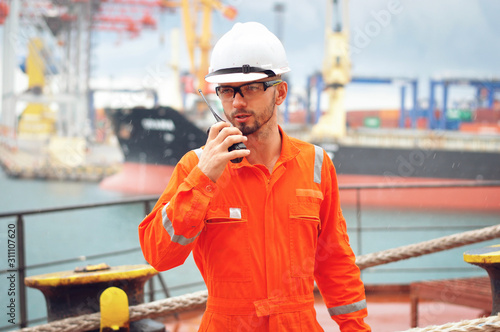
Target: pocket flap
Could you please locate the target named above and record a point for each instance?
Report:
(226, 214)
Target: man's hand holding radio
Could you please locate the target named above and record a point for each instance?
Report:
(215, 155)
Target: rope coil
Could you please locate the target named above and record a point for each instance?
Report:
(154, 309)
(198, 299)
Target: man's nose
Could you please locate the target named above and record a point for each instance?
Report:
(238, 100)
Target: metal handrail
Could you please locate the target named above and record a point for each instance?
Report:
(149, 198)
(142, 199)
(20, 245)
(21, 268)
(416, 185)
(443, 184)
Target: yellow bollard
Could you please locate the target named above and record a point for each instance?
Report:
(488, 258)
(114, 310)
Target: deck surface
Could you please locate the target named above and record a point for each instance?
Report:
(386, 313)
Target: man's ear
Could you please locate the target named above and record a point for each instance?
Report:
(281, 92)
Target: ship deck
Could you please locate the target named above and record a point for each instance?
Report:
(388, 310)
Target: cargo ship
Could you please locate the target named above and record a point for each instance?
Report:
(154, 139)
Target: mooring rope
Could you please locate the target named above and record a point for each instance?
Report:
(154, 309)
(486, 324)
(197, 300)
(428, 247)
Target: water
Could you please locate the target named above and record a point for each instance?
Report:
(67, 235)
(58, 236)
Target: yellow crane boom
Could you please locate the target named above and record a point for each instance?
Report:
(201, 41)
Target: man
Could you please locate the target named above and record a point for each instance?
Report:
(262, 230)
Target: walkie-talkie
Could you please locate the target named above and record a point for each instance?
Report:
(236, 146)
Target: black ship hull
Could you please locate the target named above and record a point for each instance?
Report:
(415, 163)
(161, 136)
(154, 140)
(158, 136)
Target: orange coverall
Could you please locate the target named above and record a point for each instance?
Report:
(260, 240)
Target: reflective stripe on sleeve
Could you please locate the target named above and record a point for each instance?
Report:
(198, 152)
(167, 224)
(347, 309)
(318, 163)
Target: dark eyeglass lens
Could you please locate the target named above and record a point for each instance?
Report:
(225, 92)
(247, 90)
(253, 88)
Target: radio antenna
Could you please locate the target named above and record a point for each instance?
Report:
(217, 117)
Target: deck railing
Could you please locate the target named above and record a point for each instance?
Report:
(20, 246)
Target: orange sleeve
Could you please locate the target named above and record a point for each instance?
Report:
(169, 233)
(336, 273)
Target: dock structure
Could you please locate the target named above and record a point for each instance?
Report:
(25, 164)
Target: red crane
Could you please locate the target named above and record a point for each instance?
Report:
(133, 16)
(4, 11)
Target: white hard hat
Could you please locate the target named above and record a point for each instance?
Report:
(248, 52)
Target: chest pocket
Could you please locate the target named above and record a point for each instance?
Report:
(304, 228)
(226, 244)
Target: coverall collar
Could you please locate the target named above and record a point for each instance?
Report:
(288, 151)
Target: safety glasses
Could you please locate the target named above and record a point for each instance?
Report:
(247, 90)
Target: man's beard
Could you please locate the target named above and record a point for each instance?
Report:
(259, 122)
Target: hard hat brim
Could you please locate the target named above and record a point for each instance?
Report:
(245, 73)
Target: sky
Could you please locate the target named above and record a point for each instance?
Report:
(388, 38)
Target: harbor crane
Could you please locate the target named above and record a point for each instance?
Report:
(336, 70)
(58, 37)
